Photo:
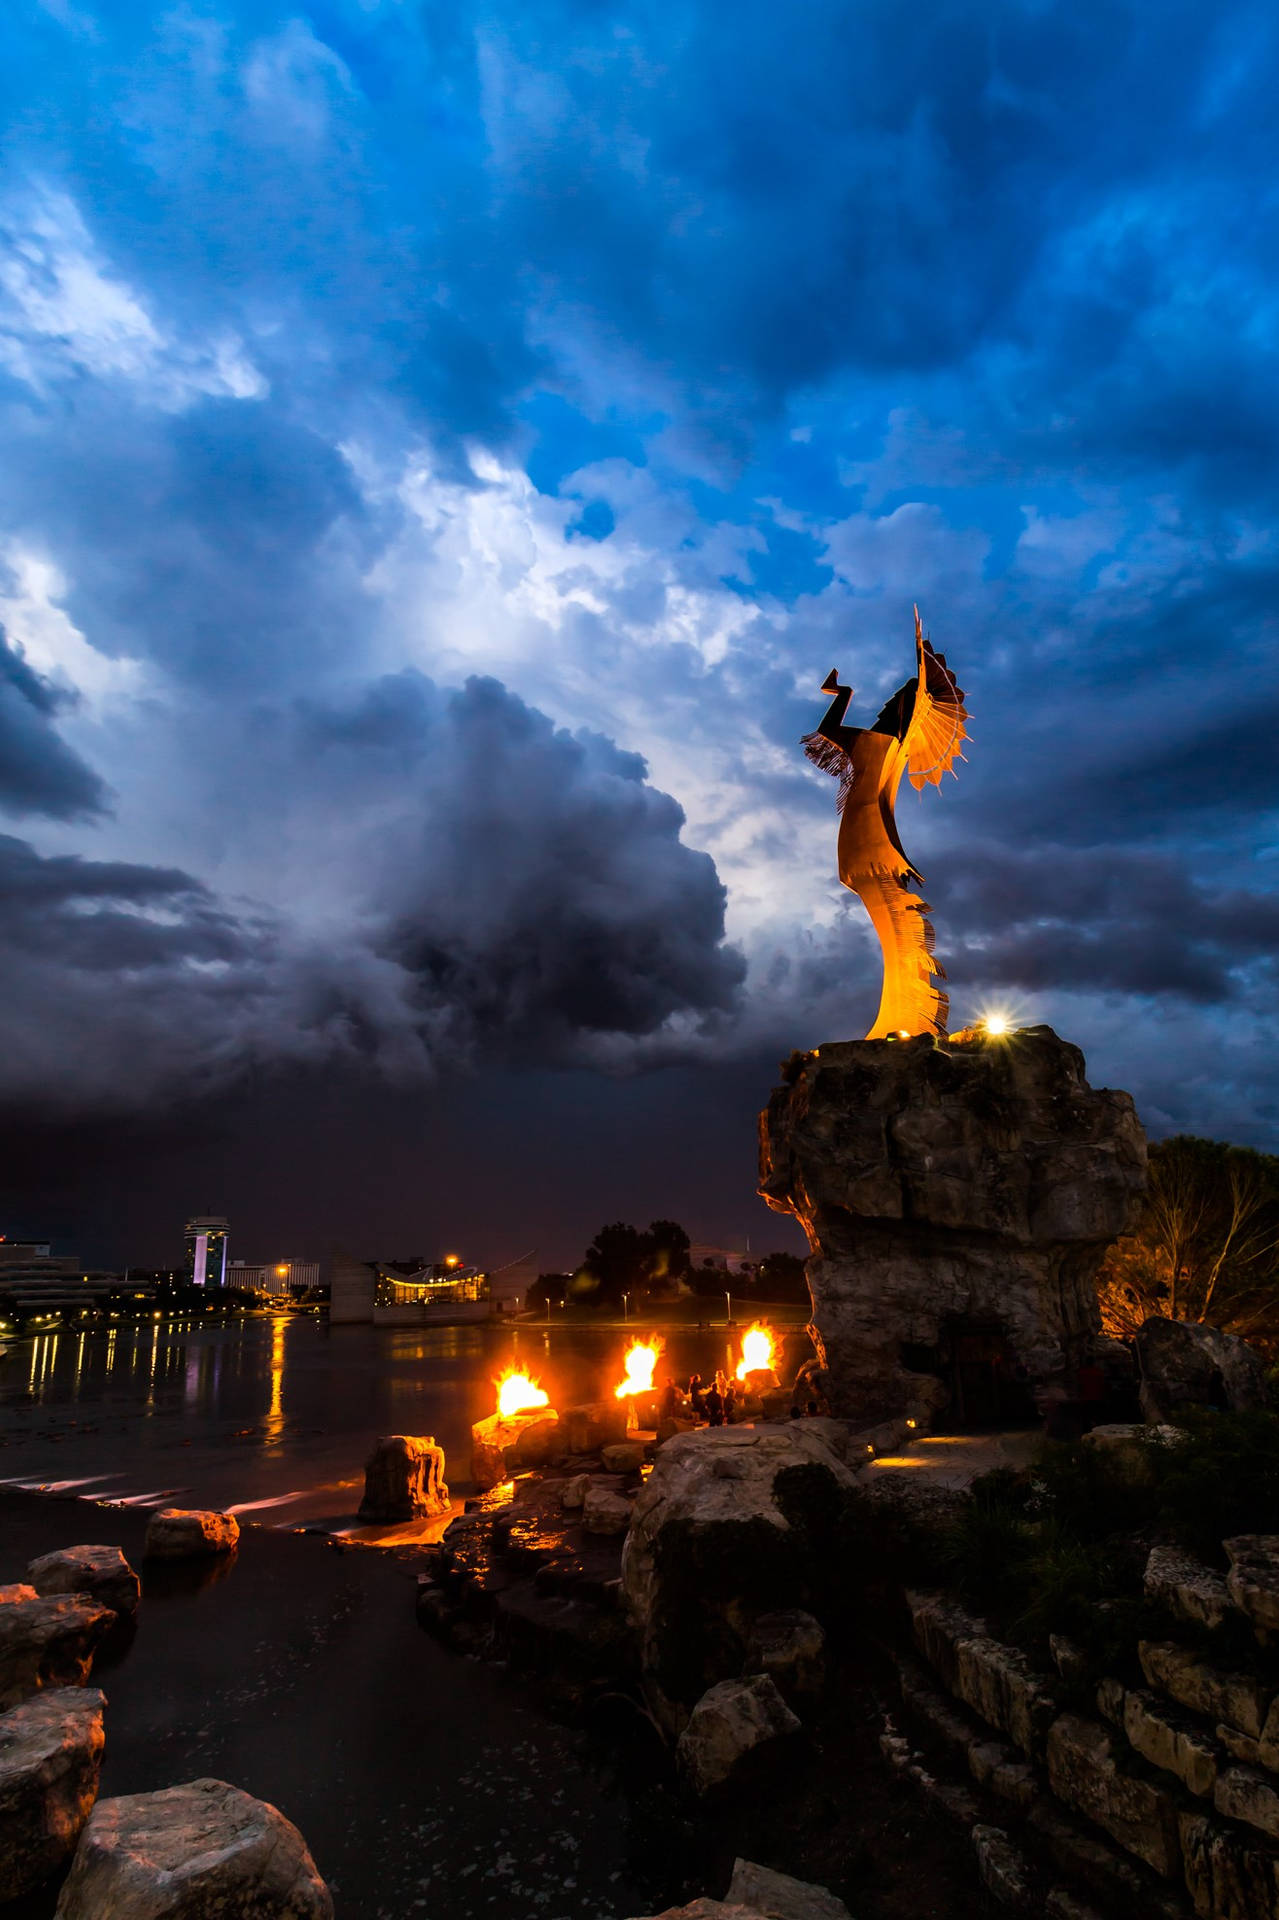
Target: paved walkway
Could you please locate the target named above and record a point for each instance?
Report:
(955, 1460)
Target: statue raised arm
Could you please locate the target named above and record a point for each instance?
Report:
(921, 728)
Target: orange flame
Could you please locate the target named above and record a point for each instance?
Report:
(757, 1350)
(516, 1393)
(640, 1362)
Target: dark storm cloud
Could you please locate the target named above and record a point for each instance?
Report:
(511, 892)
(38, 772)
(1058, 918)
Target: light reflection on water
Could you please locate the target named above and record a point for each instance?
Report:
(276, 1413)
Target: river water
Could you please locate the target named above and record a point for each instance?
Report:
(273, 1418)
(422, 1784)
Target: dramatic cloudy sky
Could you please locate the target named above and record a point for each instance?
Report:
(442, 450)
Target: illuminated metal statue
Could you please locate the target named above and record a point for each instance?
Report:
(923, 725)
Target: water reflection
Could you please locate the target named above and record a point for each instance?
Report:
(277, 1413)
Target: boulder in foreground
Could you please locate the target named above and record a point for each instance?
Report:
(404, 1479)
(50, 1755)
(730, 1722)
(48, 1643)
(203, 1851)
(177, 1533)
(780, 1896)
(101, 1572)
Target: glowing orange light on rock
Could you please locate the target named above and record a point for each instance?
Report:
(640, 1363)
(516, 1393)
(757, 1351)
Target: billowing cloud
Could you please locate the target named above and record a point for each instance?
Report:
(497, 890)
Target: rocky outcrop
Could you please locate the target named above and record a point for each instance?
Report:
(48, 1643)
(730, 1723)
(992, 1678)
(1085, 1771)
(50, 1754)
(1182, 1364)
(101, 1572)
(1239, 1699)
(188, 1533)
(404, 1479)
(720, 1534)
(203, 1851)
(974, 1182)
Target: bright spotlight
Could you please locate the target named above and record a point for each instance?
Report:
(997, 1024)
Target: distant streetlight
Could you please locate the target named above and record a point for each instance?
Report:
(625, 1313)
(728, 1308)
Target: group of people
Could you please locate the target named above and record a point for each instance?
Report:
(714, 1402)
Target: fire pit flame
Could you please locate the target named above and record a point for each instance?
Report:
(640, 1363)
(516, 1393)
(757, 1351)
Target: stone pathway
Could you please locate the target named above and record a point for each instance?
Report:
(955, 1460)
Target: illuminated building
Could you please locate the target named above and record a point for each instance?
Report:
(206, 1251)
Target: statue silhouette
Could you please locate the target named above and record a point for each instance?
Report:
(923, 726)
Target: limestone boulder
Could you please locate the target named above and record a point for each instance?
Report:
(941, 1182)
(1228, 1875)
(203, 1851)
(404, 1479)
(780, 1896)
(1085, 1771)
(605, 1512)
(503, 1443)
(1187, 1588)
(1003, 1870)
(48, 1642)
(16, 1590)
(790, 1646)
(1243, 1793)
(573, 1493)
(730, 1724)
(992, 1678)
(1253, 1580)
(190, 1533)
(101, 1572)
(625, 1456)
(721, 1533)
(50, 1755)
(1172, 1739)
(1182, 1364)
(1241, 1700)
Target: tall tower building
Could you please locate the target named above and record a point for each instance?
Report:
(206, 1251)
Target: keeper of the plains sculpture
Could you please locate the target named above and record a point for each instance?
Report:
(922, 728)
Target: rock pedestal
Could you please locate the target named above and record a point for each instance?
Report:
(949, 1190)
(204, 1851)
(404, 1479)
(50, 1754)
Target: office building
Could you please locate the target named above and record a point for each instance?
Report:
(207, 1251)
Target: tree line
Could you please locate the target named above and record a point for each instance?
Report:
(654, 1263)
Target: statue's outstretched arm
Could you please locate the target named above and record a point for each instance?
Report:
(831, 725)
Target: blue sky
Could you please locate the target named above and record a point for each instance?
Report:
(442, 451)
